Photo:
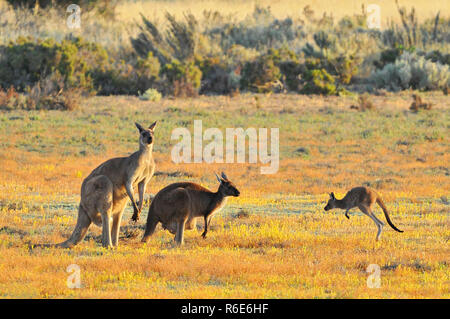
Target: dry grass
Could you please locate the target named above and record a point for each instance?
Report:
(283, 246)
(281, 8)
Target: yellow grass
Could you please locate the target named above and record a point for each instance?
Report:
(275, 241)
(280, 8)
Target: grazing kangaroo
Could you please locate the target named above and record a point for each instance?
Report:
(105, 192)
(363, 198)
(178, 205)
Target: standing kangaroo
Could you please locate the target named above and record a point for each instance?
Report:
(178, 205)
(105, 192)
(363, 198)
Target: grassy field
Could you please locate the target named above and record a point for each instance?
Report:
(275, 241)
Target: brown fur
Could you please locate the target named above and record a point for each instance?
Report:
(106, 191)
(363, 198)
(178, 205)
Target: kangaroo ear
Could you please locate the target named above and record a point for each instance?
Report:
(332, 195)
(218, 177)
(152, 127)
(224, 176)
(139, 126)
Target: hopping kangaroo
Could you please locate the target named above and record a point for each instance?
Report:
(363, 198)
(105, 192)
(178, 205)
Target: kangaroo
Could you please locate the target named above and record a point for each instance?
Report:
(178, 205)
(363, 198)
(105, 192)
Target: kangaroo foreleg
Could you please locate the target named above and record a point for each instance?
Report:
(141, 189)
(130, 192)
(179, 237)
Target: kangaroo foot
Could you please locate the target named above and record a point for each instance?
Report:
(136, 215)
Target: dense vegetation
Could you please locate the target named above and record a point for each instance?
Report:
(217, 54)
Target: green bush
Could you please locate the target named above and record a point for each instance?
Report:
(318, 81)
(151, 95)
(181, 79)
(390, 55)
(346, 67)
(260, 74)
(437, 56)
(25, 62)
(128, 77)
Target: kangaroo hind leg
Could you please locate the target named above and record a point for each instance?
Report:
(98, 200)
(378, 223)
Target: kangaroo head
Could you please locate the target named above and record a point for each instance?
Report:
(331, 202)
(146, 135)
(227, 188)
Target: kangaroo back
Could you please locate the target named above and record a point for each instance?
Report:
(383, 207)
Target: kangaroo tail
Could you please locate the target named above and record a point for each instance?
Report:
(152, 221)
(78, 234)
(383, 207)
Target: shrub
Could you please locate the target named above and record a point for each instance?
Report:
(437, 56)
(390, 55)
(318, 81)
(66, 100)
(258, 31)
(38, 99)
(178, 43)
(364, 103)
(181, 79)
(11, 100)
(343, 66)
(324, 41)
(237, 55)
(25, 62)
(216, 78)
(151, 95)
(346, 67)
(412, 71)
(260, 74)
(128, 77)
